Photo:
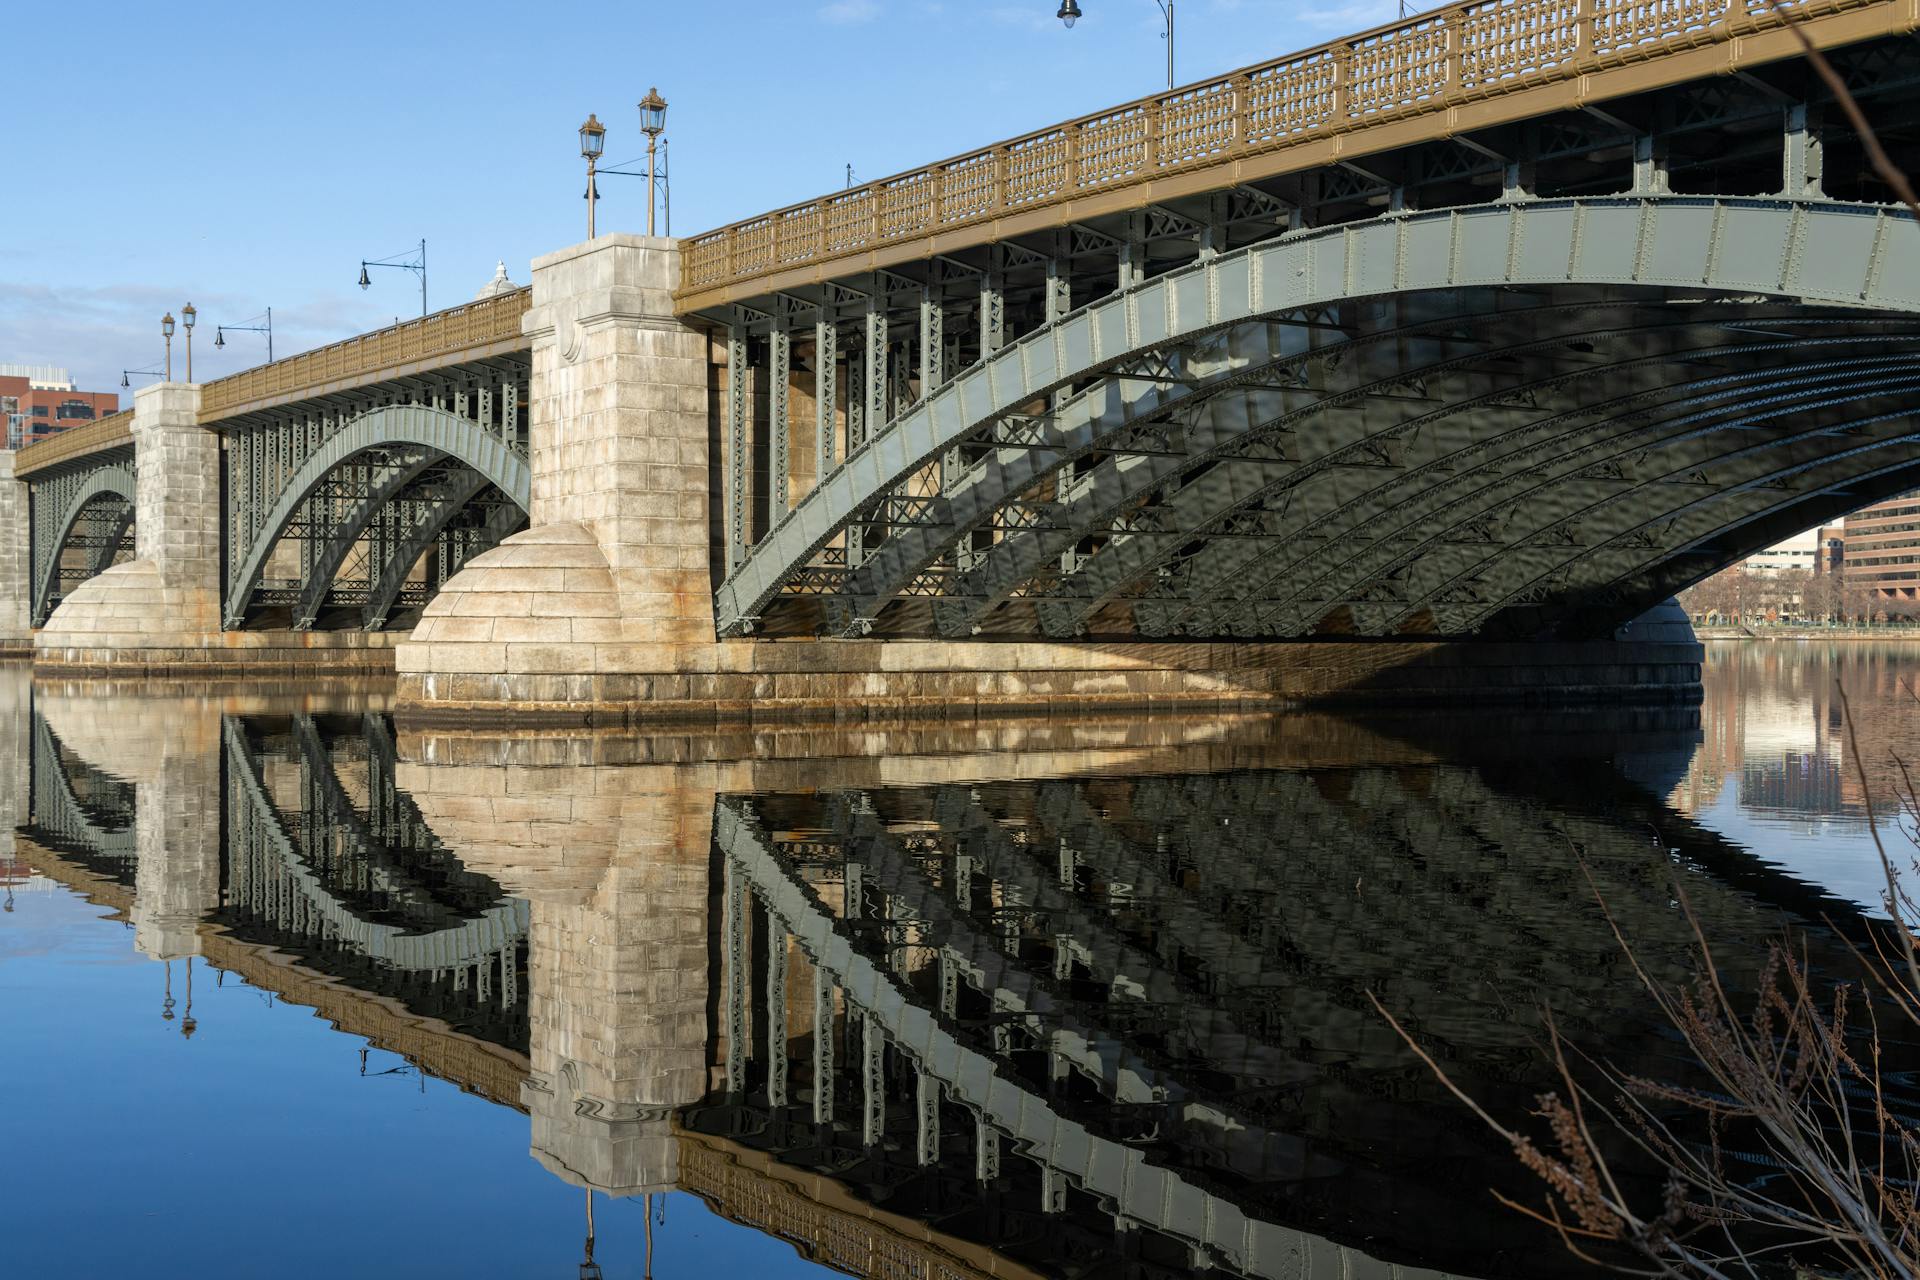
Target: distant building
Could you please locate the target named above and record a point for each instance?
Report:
(496, 286)
(40, 400)
(1781, 558)
(1881, 548)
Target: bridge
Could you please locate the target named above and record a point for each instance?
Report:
(1420, 364)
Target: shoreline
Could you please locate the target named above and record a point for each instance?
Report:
(1911, 635)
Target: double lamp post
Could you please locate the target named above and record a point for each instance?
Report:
(593, 141)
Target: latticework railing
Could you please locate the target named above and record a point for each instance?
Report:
(443, 337)
(112, 431)
(1424, 64)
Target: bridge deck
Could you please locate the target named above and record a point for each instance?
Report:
(470, 332)
(1450, 71)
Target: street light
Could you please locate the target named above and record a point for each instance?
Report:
(593, 140)
(127, 375)
(653, 123)
(418, 264)
(220, 331)
(1070, 13)
(187, 313)
(166, 331)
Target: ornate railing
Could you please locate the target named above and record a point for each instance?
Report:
(112, 431)
(441, 337)
(1423, 64)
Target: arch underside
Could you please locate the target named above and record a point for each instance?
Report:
(384, 512)
(92, 532)
(1521, 458)
(388, 914)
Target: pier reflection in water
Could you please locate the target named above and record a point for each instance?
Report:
(1028, 998)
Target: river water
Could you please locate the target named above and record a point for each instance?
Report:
(287, 989)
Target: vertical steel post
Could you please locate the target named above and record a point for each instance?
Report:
(779, 399)
(823, 1041)
(776, 1012)
(737, 470)
(873, 1081)
(826, 357)
(733, 928)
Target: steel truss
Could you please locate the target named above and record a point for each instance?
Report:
(1477, 421)
(82, 522)
(371, 487)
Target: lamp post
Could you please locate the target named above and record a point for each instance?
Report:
(418, 264)
(1069, 13)
(593, 140)
(220, 332)
(187, 314)
(166, 331)
(653, 123)
(127, 375)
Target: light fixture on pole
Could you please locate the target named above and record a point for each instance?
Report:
(166, 331)
(418, 263)
(653, 123)
(187, 314)
(1069, 13)
(220, 331)
(593, 140)
(127, 375)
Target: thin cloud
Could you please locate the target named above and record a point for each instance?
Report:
(846, 13)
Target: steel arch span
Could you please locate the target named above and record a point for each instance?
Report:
(1535, 418)
(428, 458)
(100, 501)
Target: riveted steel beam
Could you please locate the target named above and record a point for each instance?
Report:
(1745, 248)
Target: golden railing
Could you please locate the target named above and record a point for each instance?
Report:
(1426, 64)
(441, 338)
(112, 431)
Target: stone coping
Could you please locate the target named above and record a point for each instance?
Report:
(223, 653)
(859, 681)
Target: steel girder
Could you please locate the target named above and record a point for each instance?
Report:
(1368, 496)
(971, 1079)
(342, 539)
(262, 840)
(62, 816)
(502, 519)
(1133, 374)
(58, 507)
(414, 427)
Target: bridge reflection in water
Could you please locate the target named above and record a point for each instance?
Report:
(1023, 999)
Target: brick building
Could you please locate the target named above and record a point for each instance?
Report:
(1882, 548)
(39, 400)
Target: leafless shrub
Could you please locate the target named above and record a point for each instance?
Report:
(1798, 1077)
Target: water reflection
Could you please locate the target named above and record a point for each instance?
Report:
(1776, 770)
(1029, 998)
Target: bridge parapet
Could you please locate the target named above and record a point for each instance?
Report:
(115, 431)
(1461, 67)
(473, 331)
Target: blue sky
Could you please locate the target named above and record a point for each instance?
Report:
(245, 155)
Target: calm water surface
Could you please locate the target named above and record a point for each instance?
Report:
(286, 990)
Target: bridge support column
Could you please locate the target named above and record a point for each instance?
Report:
(16, 562)
(160, 612)
(617, 956)
(167, 598)
(610, 583)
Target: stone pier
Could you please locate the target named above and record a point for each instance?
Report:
(602, 609)
(160, 612)
(613, 862)
(16, 561)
